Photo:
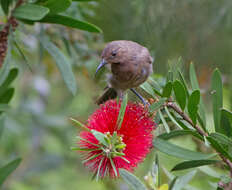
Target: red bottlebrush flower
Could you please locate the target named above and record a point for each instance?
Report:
(106, 147)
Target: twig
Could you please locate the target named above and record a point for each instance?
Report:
(11, 23)
(173, 106)
(186, 118)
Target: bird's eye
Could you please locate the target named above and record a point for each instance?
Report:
(113, 54)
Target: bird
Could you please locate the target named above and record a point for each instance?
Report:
(130, 65)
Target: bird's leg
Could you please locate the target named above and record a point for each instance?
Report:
(139, 96)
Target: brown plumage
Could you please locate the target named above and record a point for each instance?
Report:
(130, 65)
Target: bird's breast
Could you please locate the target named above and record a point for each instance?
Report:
(130, 75)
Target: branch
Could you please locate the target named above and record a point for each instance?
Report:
(186, 118)
(11, 23)
(173, 106)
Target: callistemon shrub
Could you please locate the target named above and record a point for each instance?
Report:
(106, 145)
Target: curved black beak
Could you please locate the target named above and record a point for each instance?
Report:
(102, 64)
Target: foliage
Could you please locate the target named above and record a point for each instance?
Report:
(192, 152)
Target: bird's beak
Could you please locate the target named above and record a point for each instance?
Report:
(102, 64)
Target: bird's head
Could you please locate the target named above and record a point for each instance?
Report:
(113, 54)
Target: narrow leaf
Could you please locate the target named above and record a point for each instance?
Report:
(114, 167)
(71, 22)
(216, 86)
(218, 147)
(30, 11)
(183, 81)
(157, 105)
(7, 96)
(79, 124)
(99, 168)
(92, 157)
(57, 6)
(226, 122)
(10, 78)
(148, 88)
(132, 180)
(178, 133)
(195, 86)
(85, 149)
(5, 4)
(179, 93)
(193, 164)
(174, 150)
(63, 64)
(6, 170)
(193, 102)
(173, 182)
(100, 137)
(5, 69)
(184, 180)
(164, 122)
(1, 125)
(167, 90)
(172, 118)
(122, 111)
(170, 76)
(84, 0)
(222, 139)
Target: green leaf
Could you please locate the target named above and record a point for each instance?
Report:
(193, 164)
(122, 111)
(5, 69)
(156, 172)
(132, 180)
(100, 137)
(172, 118)
(5, 4)
(20, 51)
(10, 78)
(218, 147)
(7, 96)
(216, 86)
(226, 122)
(153, 107)
(63, 64)
(184, 180)
(195, 86)
(177, 133)
(183, 82)
(148, 88)
(167, 90)
(84, 0)
(172, 184)
(2, 120)
(99, 168)
(180, 93)
(6, 170)
(114, 167)
(193, 102)
(71, 22)
(222, 139)
(164, 121)
(174, 150)
(79, 124)
(85, 149)
(30, 11)
(57, 6)
(170, 76)
(193, 77)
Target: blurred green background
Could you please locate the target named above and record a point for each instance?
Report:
(37, 127)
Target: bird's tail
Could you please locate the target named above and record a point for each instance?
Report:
(108, 94)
